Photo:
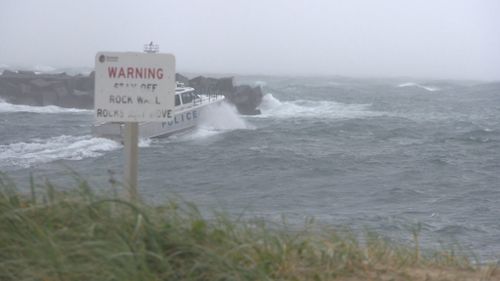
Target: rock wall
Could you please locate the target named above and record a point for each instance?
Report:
(245, 98)
(26, 87)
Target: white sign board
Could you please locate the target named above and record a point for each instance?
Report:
(134, 87)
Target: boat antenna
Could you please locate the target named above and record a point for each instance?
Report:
(151, 48)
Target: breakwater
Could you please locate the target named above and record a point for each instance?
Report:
(77, 91)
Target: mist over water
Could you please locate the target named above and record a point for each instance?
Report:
(376, 154)
(446, 39)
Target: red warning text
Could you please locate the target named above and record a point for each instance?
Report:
(135, 72)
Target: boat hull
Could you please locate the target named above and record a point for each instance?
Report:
(184, 120)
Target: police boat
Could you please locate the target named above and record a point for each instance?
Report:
(189, 109)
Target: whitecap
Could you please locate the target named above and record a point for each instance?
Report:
(217, 119)
(37, 151)
(260, 83)
(43, 68)
(272, 107)
(412, 84)
(144, 142)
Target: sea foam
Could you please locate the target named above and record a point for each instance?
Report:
(217, 119)
(43, 68)
(274, 108)
(412, 84)
(36, 151)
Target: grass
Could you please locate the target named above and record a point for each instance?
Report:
(78, 235)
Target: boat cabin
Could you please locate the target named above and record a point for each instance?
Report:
(185, 96)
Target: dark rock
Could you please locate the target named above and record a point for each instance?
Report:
(26, 73)
(85, 83)
(77, 101)
(225, 84)
(48, 98)
(40, 83)
(181, 78)
(202, 83)
(61, 90)
(246, 99)
(7, 73)
(27, 87)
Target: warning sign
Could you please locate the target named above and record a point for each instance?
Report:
(134, 87)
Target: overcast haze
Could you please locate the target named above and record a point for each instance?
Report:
(424, 39)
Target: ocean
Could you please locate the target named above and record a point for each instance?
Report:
(383, 155)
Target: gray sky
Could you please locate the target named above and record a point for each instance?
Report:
(427, 39)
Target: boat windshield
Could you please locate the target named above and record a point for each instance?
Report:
(187, 97)
(177, 100)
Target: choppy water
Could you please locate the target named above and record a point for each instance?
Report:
(376, 154)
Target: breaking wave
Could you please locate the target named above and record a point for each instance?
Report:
(144, 142)
(260, 83)
(43, 68)
(272, 107)
(10, 108)
(219, 118)
(26, 154)
(412, 84)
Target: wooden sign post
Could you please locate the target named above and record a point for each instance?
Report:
(131, 146)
